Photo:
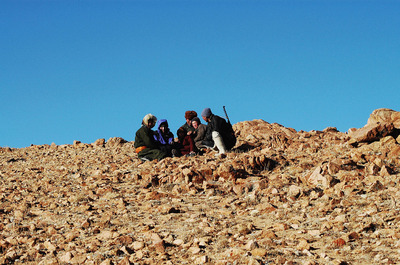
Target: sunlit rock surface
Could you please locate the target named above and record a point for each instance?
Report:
(280, 197)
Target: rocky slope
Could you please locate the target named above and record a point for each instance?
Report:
(281, 197)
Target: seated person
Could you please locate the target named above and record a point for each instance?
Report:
(165, 138)
(221, 131)
(189, 115)
(146, 146)
(199, 133)
(208, 141)
(185, 143)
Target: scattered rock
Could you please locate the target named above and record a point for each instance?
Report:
(281, 196)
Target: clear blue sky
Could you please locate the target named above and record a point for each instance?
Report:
(84, 70)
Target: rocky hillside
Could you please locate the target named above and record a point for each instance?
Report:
(281, 197)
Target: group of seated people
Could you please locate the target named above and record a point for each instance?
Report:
(193, 137)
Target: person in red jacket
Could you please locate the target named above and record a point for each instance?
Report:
(185, 143)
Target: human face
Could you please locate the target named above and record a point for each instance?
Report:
(195, 124)
(205, 119)
(162, 128)
(189, 122)
(151, 124)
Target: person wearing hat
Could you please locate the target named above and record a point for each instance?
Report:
(219, 131)
(199, 133)
(187, 127)
(165, 138)
(145, 144)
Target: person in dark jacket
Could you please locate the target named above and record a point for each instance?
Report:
(199, 133)
(219, 131)
(165, 138)
(189, 115)
(145, 144)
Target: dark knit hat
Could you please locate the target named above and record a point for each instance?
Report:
(190, 114)
(196, 119)
(206, 113)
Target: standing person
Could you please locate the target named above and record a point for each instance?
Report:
(189, 115)
(219, 131)
(199, 133)
(165, 138)
(146, 146)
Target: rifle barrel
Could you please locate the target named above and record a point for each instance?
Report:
(226, 114)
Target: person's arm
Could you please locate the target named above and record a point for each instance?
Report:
(200, 133)
(170, 138)
(148, 140)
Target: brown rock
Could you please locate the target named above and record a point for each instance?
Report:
(238, 189)
(125, 261)
(194, 250)
(395, 150)
(72, 236)
(66, 257)
(78, 259)
(340, 242)
(99, 142)
(371, 132)
(243, 229)
(81, 204)
(281, 227)
(385, 171)
(105, 235)
(49, 246)
(294, 191)
(107, 262)
(317, 179)
(303, 244)
(268, 234)
(251, 245)
(353, 236)
(137, 245)
(259, 252)
(385, 115)
(115, 142)
(201, 260)
(372, 169)
(376, 186)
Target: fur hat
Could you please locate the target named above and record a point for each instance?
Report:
(206, 113)
(190, 114)
(149, 117)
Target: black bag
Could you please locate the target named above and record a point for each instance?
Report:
(229, 135)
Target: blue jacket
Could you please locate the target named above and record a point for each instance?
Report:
(163, 138)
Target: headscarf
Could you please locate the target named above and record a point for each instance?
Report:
(166, 137)
(149, 117)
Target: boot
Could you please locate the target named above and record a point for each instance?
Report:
(218, 142)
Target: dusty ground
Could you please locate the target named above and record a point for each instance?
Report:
(281, 197)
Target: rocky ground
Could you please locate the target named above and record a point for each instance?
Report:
(280, 197)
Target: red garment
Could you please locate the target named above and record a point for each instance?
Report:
(187, 145)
